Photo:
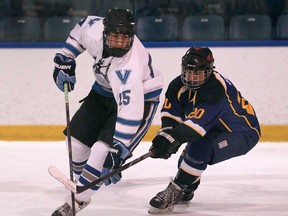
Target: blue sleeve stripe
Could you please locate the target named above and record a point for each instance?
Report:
(153, 94)
(123, 135)
(72, 49)
(144, 128)
(129, 122)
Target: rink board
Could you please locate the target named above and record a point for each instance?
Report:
(273, 133)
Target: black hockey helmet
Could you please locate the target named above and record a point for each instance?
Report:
(118, 21)
(197, 67)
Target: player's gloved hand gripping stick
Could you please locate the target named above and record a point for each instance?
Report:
(64, 72)
(117, 156)
(164, 144)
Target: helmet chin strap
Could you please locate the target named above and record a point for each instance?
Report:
(115, 52)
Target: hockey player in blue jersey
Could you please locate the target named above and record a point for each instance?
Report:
(119, 109)
(205, 110)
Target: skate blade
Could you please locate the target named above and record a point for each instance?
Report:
(154, 210)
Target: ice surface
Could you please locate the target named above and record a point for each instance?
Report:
(252, 185)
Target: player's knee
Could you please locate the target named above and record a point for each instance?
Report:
(192, 165)
(80, 152)
(199, 152)
(98, 154)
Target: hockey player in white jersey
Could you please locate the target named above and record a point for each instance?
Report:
(119, 109)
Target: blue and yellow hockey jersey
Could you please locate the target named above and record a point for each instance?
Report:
(216, 106)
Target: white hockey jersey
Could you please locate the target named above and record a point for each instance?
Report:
(130, 79)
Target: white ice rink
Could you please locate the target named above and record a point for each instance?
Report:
(252, 185)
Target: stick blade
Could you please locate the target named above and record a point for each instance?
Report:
(62, 178)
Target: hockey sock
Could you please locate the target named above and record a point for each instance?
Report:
(184, 179)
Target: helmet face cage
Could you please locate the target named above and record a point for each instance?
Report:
(197, 67)
(119, 28)
(194, 79)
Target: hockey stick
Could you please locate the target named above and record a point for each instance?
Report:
(70, 185)
(69, 143)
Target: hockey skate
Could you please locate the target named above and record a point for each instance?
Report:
(66, 208)
(189, 191)
(165, 200)
(188, 195)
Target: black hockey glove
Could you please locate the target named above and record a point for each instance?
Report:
(64, 71)
(116, 156)
(164, 144)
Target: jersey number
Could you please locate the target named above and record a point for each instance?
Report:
(196, 113)
(247, 106)
(167, 104)
(124, 98)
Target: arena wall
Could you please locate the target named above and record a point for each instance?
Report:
(32, 107)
